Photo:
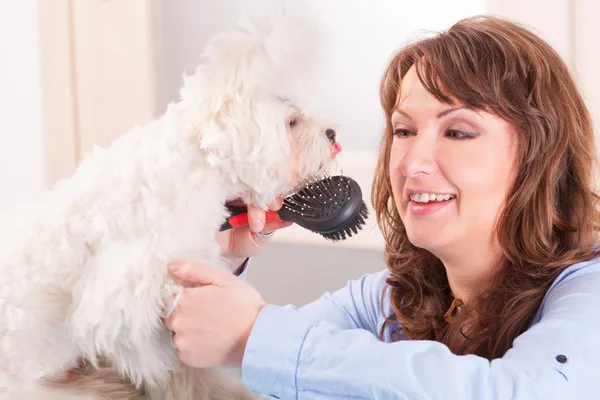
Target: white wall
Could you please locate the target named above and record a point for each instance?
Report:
(22, 171)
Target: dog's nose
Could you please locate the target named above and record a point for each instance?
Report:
(330, 133)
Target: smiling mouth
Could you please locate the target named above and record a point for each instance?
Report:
(426, 198)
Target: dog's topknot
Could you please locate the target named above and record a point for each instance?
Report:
(277, 57)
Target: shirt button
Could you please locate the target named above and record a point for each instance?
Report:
(561, 358)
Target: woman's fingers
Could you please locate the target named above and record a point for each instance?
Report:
(256, 216)
(256, 219)
(276, 204)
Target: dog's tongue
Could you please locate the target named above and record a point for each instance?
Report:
(336, 149)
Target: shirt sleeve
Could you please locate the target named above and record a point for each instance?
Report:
(290, 355)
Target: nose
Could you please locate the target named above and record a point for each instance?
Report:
(417, 157)
(330, 133)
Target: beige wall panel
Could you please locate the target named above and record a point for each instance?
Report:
(59, 95)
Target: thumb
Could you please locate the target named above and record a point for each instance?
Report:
(199, 273)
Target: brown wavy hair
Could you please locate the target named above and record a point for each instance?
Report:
(550, 219)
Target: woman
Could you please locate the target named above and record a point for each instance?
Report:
(484, 193)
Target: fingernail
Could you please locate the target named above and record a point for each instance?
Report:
(255, 224)
(275, 204)
(175, 266)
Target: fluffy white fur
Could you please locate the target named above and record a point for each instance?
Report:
(83, 272)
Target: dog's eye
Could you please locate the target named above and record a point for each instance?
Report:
(292, 122)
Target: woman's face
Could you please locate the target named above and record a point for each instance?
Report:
(450, 170)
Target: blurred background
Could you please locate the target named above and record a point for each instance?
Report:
(77, 73)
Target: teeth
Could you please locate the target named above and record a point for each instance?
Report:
(427, 197)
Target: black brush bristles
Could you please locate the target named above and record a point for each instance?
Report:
(350, 227)
(332, 207)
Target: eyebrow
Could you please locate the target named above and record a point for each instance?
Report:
(439, 115)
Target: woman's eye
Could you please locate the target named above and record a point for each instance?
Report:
(456, 134)
(402, 132)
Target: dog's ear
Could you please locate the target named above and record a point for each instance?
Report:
(252, 145)
(247, 132)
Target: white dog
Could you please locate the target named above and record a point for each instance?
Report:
(83, 273)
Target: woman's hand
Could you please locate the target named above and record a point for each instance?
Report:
(213, 320)
(237, 244)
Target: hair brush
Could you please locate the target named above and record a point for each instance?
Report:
(332, 207)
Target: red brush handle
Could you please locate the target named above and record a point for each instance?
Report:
(242, 219)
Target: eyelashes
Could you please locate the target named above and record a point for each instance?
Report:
(458, 134)
(401, 132)
(450, 133)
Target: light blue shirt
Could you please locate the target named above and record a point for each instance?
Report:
(329, 349)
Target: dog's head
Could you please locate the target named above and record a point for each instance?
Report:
(250, 100)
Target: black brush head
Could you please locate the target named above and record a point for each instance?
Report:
(332, 207)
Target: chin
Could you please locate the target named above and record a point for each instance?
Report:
(427, 239)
